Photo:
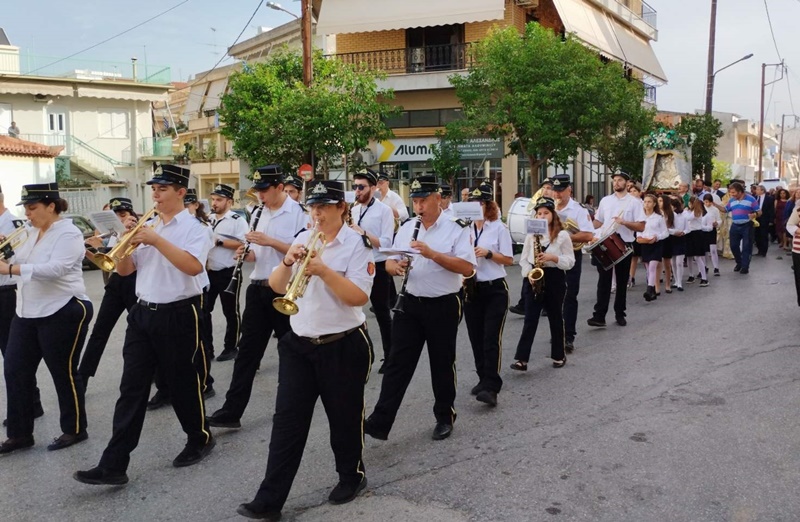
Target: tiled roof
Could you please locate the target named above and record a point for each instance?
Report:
(15, 147)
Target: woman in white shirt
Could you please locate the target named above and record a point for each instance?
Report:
(666, 251)
(711, 222)
(53, 314)
(651, 240)
(486, 302)
(555, 258)
(677, 239)
(695, 240)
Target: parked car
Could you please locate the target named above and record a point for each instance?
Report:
(85, 225)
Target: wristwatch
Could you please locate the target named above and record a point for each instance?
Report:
(219, 242)
(489, 254)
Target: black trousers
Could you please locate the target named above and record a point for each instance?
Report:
(8, 309)
(57, 339)
(485, 314)
(622, 271)
(796, 265)
(119, 296)
(379, 297)
(571, 298)
(762, 237)
(260, 319)
(167, 338)
(555, 287)
(336, 373)
(219, 280)
(426, 320)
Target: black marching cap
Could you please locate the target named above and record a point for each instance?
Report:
(37, 192)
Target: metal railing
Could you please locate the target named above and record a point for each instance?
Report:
(54, 67)
(150, 147)
(429, 58)
(80, 150)
(649, 15)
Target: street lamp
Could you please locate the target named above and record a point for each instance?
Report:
(710, 90)
(278, 7)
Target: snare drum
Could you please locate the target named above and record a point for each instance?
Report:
(609, 250)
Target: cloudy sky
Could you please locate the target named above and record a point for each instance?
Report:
(192, 37)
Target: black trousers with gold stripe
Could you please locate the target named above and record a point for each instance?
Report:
(218, 282)
(58, 339)
(485, 314)
(555, 287)
(336, 373)
(166, 338)
(431, 320)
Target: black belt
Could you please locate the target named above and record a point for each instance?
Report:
(325, 339)
(7, 288)
(484, 284)
(422, 299)
(223, 269)
(260, 282)
(165, 306)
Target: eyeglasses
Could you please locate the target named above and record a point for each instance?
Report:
(360, 187)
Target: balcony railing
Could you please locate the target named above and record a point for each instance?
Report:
(411, 60)
(649, 15)
(79, 68)
(649, 92)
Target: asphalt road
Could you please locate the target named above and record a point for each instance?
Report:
(687, 414)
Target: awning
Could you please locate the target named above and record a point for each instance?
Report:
(193, 103)
(596, 29)
(362, 16)
(44, 89)
(215, 92)
(122, 94)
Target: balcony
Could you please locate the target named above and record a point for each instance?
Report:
(26, 64)
(411, 60)
(150, 149)
(636, 14)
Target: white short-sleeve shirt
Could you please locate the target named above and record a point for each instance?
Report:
(378, 220)
(233, 226)
(282, 224)
(494, 237)
(631, 208)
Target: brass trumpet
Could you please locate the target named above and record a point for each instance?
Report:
(287, 304)
(124, 248)
(12, 242)
(572, 228)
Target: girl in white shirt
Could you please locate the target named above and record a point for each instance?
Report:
(711, 222)
(695, 240)
(652, 241)
(555, 258)
(678, 239)
(666, 260)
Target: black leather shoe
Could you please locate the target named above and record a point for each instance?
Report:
(374, 432)
(382, 369)
(250, 511)
(596, 322)
(487, 397)
(737, 268)
(16, 443)
(67, 440)
(223, 419)
(192, 455)
(38, 411)
(228, 354)
(744, 271)
(157, 401)
(101, 477)
(209, 392)
(517, 310)
(442, 431)
(344, 493)
(621, 320)
(569, 346)
(476, 389)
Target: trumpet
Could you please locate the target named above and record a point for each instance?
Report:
(107, 262)
(12, 242)
(287, 304)
(572, 228)
(536, 275)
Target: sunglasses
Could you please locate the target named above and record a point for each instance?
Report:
(357, 187)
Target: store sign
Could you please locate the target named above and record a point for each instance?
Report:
(419, 149)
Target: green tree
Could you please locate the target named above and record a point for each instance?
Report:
(625, 150)
(721, 171)
(271, 117)
(707, 130)
(446, 157)
(551, 96)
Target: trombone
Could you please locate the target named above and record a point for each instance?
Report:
(124, 248)
(12, 242)
(287, 304)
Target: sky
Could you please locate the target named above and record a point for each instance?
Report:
(194, 36)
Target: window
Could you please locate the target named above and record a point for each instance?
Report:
(397, 122)
(55, 121)
(112, 123)
(424, 118)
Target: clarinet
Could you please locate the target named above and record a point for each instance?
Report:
(400, 304)
(236, 279)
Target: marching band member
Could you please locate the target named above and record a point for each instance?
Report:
(624, 211)
(119, 296)
(432, 310)
(52, 315)
(711, 222)
(375, 221)
(389, 197)
(280, 221)
(327, 355)
(486, 303)
(695, 240)
(163, 329)
(447, 199)
(293, 186)
(652, 241)
(569, 209)
(556, 258)
(677, 239)
(229, 230)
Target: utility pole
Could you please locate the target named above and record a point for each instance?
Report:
(712, 36)
(761, 121)
(305, 34)
(780, 148)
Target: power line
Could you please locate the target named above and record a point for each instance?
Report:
(772, 31)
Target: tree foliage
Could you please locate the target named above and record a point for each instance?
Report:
(721, 171)
(551, 96)
(271, 117)
(625, 150)
(708, 131)
(446, 157)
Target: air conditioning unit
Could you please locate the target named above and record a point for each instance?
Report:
(527, 3)
(41, 98)
(363, 158)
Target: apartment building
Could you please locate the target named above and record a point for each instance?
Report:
(420, 44)
(739, 146)
(98, 112)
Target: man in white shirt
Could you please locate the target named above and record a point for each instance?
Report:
(293, 186)
(391, 199)
(375, 221)
(447, 199)
(569, 209)
(229, 230)
(429, 309)
(626, 213)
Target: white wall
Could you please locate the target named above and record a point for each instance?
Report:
(18, 171)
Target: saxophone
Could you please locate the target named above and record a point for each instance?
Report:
(536, 275)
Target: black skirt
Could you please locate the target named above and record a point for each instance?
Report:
(652, 252)
(666, 249)
(677, 245)
(637, 248)
(695, 243)
(711, 238)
